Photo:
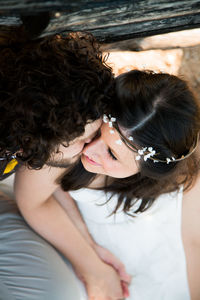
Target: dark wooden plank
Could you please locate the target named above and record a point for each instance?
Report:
(109, 20)
(132, 29)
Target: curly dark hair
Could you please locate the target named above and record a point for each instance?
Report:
(159, 111)
(50, 88)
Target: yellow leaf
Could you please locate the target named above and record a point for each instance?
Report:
(10, 166)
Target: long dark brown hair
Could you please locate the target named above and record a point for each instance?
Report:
(159, 111)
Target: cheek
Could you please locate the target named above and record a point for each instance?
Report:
(76, 148)
(112, 168)
(118, 170)
(72, 150)
(133, 168)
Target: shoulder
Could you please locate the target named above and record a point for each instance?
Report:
(46, 174)
(191, 236)
(192, 195)
(36, 184)
(191, 211)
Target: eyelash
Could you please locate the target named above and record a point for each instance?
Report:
(111, 154)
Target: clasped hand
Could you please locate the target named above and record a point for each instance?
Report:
(108, 279)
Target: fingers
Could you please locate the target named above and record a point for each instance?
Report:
(118, 265)
(124, 276)
(120, 268)
(112, 260)
(125, 289)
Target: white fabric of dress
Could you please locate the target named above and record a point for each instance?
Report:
(150, 244)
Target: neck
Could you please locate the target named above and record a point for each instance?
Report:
(98, 182)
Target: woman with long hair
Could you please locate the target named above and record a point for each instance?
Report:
(140, 194)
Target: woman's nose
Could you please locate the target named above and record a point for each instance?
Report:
(95, 148)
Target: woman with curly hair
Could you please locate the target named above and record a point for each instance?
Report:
(140, 194)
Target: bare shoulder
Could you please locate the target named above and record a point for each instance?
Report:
(191, 218)
(36, 185)
(191, 197)
(45, 176)
(191, 236)
(191, 210)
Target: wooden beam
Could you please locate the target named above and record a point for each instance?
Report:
(108, 20)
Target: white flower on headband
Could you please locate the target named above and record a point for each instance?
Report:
(118, 142)
(146, 152)
(109, 119)
(113, 119)
(147, 156)
(130, 138)
(105, 119)
(110, 124)
(138, 157)
(140, 151)
(168, 160)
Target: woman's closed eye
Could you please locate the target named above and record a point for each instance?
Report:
(111, 154)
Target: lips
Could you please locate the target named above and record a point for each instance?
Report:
(92, 162)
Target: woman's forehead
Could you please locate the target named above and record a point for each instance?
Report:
(113, 140)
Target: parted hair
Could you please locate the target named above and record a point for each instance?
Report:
(158, 111)
(50, 88)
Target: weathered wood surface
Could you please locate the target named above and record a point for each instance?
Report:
(108, 20)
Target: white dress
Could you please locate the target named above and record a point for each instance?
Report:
(150, 244)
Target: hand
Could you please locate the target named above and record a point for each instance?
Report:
(103, 283)
(112, 260)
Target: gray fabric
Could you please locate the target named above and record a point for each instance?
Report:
(30, 268)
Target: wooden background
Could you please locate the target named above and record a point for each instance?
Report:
(108, 20)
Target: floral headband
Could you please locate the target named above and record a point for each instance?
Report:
(145, 152)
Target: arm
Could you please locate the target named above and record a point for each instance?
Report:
(68, 203)
(191, 236)
(46, 216)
